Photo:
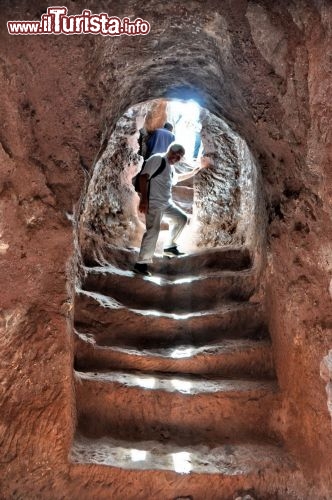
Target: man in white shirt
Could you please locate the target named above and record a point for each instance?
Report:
(156, 202)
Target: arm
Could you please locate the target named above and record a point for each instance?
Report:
(143, 184)
(188, 175)
(205, 162)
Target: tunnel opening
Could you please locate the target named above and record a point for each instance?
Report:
(187, 330)
(109, 238)
(225, 202)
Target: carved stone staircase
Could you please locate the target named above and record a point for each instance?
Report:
(175, 388)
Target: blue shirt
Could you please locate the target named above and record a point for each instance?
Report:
(159, 141)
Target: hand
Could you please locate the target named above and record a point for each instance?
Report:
(197, 169)
(206, 162)
(143, 206)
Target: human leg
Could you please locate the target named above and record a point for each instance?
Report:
(150, 237)
(178, 220)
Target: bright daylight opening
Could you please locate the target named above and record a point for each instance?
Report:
(185, 117)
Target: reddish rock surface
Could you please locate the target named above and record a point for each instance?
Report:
(264, 68)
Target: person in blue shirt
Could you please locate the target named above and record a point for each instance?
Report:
(159, 141)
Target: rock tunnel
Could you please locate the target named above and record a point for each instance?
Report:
(227, 404)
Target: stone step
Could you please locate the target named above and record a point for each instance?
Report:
(185, 409)
(151, 470)
(202, 263)
(182, 295)
(210, 260)
(228, 358)
(108, 322)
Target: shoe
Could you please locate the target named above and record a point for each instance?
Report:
(173, 252)
(141, 269)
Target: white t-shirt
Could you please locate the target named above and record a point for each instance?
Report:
(161, 185)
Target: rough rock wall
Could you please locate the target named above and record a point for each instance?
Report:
(326, 374)
(217, 192)
(49, 136)
(262, 66)
(109, 215)
(226, 197)
(156, 114)
(252, 218)
(299, 269)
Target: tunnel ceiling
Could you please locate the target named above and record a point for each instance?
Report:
(247, 62)
(237, 60)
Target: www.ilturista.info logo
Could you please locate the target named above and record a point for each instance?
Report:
(57, 22)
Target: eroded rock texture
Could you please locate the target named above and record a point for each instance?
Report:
(109, 215)
(223, 196)
(219, 189)
(264, 68)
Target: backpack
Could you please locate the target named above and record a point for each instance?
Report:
(157, 172)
